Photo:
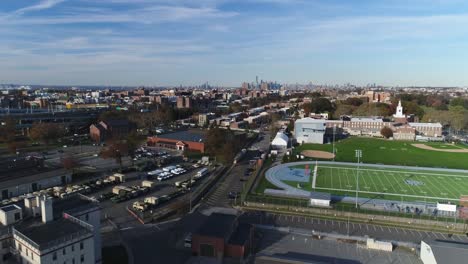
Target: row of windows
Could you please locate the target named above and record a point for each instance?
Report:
(64, 251)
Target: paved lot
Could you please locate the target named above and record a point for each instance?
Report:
(118, 213)
(342, 227)
(300, 247)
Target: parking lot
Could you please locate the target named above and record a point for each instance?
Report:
(353, 229)
(118, 213)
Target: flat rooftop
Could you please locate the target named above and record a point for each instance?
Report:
(187, 135)
(53, 232)
(217, 225)
(9, 208)
(71, 205)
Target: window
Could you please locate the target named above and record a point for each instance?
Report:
(64, 251)
(17, 216)
(20, 247)
(5, 243)
(81, 245)
(82, 258)
(73, 248)
(73, 261)
(54, 256)
(87, 217)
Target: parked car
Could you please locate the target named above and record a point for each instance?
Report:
(233, 195)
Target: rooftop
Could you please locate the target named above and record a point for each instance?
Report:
(311, 120)
(217, 225)
(241, 235)
(9, 208)
(449, 252)
(46, 234)
(425, 124)
(71, 205)
(187, 135)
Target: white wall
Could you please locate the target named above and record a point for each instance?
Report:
(94, 218)
(48, 256)
(427, 256)
(41, 184)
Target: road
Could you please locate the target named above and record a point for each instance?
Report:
(232, 182)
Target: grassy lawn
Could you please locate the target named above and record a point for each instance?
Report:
(114, 255)
(393, 184)
(264, 184)
(380, 151)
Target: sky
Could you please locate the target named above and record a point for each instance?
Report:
(227, 42)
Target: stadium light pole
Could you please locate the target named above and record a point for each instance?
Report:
(334, 132)
(358, 156)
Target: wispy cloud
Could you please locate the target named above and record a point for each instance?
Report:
(43, 4)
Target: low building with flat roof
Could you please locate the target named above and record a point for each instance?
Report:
(221, 236)
(193, 140)
(443, 252)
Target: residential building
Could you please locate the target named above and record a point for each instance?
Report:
(105, 130)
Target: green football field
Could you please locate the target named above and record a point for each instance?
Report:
(381, 151)
(389, 183)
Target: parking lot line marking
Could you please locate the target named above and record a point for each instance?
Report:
(381, 228)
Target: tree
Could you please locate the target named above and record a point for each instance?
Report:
(46, 132)
(343, 109)
(459, 101)
(8, 130)
(133, 142)
(318, 105)
(69, 162)
(115, 150)
(386, 132)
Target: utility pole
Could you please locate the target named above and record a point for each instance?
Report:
(358, 156)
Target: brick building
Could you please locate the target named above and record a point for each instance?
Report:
(182, 140)
(105, 130)
(222, 236)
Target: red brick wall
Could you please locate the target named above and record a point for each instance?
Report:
(235, 251)
(217, 243)
(94, 133)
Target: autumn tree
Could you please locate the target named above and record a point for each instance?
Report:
(8, 130)
(46, 132)
(386, 132)
(115, 150)
(69, 162)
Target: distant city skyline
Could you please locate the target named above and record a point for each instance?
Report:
(227, 42)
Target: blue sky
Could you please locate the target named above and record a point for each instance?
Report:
(226, 42)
